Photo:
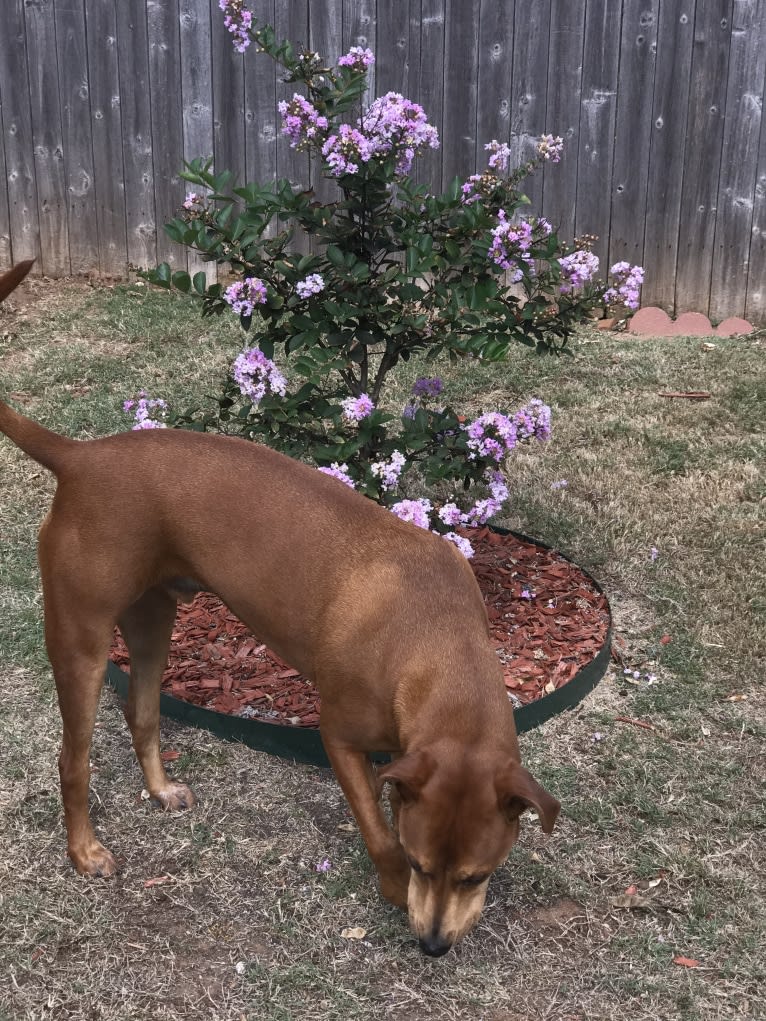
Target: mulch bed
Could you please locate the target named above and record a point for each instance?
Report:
(547, 619)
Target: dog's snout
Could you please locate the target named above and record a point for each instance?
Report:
(434, 946)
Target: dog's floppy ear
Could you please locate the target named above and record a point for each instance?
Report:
(517, 789)
(409, 774)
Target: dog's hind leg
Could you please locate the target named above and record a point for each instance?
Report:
(146, 627)
(78, 644)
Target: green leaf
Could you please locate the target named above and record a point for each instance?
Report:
(200, 282)
(182, 281)
(335, 255)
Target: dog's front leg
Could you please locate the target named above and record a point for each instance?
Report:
(357, 779)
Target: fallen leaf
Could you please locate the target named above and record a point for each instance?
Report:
(356, 933)
(346, 827)
(666, 639)
(630, 901)
(158, 881)
(170, 755)
(631, 890)
(736, 698)
(686, 962)
(550, 687)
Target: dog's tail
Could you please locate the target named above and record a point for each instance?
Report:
(46, 447)
(11, 279)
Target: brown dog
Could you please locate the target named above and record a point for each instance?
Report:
(386, 618)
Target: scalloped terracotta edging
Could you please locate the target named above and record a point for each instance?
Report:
(655, 322)
(301, 744)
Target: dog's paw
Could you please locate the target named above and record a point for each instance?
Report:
(93, 861)
(175, 797)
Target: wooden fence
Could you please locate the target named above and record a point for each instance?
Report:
(660, 103)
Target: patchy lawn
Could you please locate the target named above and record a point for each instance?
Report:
(661, 849)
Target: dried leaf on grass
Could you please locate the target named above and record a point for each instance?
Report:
(686, 962)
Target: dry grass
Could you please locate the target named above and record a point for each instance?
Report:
(244, 926)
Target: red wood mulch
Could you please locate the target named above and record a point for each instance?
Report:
(547, 619)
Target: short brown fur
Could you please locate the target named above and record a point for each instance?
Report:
(386, 618)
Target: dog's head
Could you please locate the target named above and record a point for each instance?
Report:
(458, 820)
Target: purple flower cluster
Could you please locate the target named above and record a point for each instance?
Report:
(627, 285)
(357, 58)
(550, 147)
(510, 245)
(345, 150)
(389, 471)
(500, 155)
(492, 436)
(416, 511)
(395, 125)
(427, 386)
(472, 190)
(302, 123)
(339, 472)
(256, 375)
(483, 510)
(238, 20)
(194, 203)
(544, 226)
(462, 543)
(533, 421)
(577, 269)
(245, 294)
(313, 284)
(357, 408)
(147, 411)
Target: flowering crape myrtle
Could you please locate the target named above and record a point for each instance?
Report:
(394, 270)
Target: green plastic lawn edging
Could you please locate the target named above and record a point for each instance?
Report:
(305, 745)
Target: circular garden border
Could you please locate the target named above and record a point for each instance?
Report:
(302, 744)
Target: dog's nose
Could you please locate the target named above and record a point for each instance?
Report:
(434, 946)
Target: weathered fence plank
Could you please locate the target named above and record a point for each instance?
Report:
(167, 120)
(197, 93)
(495, 67)
(461, 62)
(359, 29)
(6, 255)
(326, 39)
(702, 154)
(742, 128)
(76, 134)
(671, 102)
(567, 31)
(426, 81)
(136, 120)
(292, 22)
(17, 136)
(48, 142)
(755, 306)
(597, 120)
(261, 118)
(106, 129)
(531, 37)
(633, 129)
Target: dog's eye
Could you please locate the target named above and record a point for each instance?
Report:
(473, 880)
(415, 866)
